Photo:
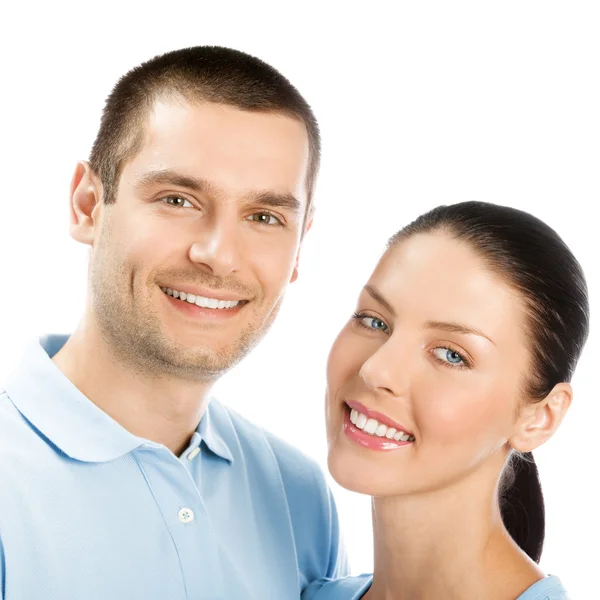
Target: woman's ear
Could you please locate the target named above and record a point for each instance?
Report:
(538, 421)
(86, 203)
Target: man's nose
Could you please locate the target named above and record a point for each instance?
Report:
(217, 248)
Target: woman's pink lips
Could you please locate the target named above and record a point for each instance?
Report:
(373, 414)
(373, 442)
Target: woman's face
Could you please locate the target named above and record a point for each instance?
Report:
(433, 364)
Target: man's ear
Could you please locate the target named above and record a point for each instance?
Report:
(307, 226)
(538, 421)
(86, 204)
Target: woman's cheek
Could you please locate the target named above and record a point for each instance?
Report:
(447, 414)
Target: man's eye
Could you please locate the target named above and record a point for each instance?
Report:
(178, 202)
(265, 218)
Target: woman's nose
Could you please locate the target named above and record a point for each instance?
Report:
(384, 371)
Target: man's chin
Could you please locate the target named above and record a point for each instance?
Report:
(201, 363)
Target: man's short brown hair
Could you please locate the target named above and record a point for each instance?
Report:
(202, 74)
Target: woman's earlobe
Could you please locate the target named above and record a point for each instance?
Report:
(85, 202)
(540, 420)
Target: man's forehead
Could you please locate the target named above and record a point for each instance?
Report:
(177, 111)
(217, 144)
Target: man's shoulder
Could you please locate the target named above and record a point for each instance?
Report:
(291, 460)
(22, 453)
(308, 499)
(303, 480)
(13, 426)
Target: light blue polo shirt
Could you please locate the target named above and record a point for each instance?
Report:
(89, 511)
(353, 588)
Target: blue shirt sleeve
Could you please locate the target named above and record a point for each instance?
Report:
(549, 588)
(2, 569)
(353, 588)
(346, 588)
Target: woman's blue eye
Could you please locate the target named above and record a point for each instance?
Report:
(375, 323)
(449, 356)
(372, 323)
(178, 202)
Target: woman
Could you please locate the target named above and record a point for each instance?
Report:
(455, 366)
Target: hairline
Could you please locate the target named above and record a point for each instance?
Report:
(135, 135)
(529, 313)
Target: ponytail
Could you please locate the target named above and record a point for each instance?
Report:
(522, 504)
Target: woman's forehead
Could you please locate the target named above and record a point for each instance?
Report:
(441, 278)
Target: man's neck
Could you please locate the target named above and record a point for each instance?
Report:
(162, 409)
(447, 544)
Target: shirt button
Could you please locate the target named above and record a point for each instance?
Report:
(192, 455)
(186, 515)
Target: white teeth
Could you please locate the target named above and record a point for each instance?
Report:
(361, 421)
(201, 301)
(371, 426)
(381, 430)
(374, 427)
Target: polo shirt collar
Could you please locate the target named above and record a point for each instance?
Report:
(69, 420)
(210, 435)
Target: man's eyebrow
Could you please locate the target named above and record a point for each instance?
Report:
(171, 177)
(199, 185)
(454, 327)
(376, 295)
(275, 200)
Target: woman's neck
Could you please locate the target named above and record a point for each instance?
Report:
(448, 543)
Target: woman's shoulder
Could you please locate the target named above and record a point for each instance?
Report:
(353, 588)
(549, 588)
(345, 588)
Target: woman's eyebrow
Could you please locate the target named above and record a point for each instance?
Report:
(453, 327)
(376, 295)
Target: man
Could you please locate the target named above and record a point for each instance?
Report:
(118, 479)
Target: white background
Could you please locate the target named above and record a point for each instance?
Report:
(424, 104)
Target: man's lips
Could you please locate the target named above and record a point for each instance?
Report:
(203, 307)
(196, 291)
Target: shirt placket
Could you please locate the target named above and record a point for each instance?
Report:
(186, 518)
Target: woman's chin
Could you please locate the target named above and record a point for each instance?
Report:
(350, 475)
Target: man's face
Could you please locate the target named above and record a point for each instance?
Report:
(209, 210)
